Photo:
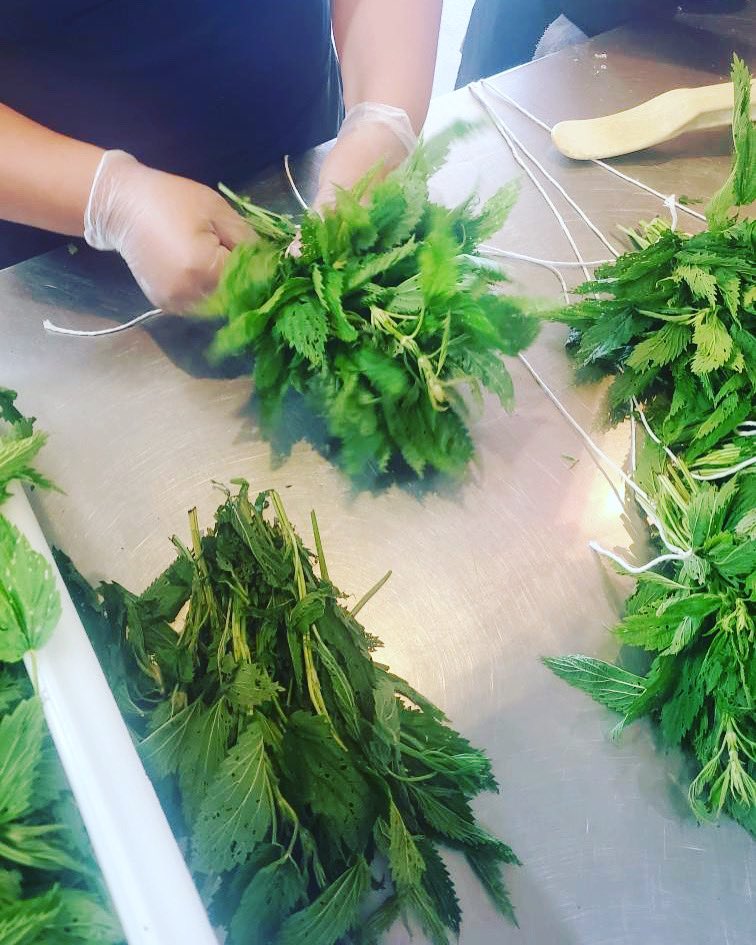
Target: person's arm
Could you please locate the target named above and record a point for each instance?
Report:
(387, 54)
(45, 178)
(174, 233)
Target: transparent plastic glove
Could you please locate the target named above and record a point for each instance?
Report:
(174, 233)
(370, 133)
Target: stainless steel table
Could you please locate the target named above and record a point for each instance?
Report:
(487, 577)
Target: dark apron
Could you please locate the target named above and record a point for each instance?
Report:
(208, 89)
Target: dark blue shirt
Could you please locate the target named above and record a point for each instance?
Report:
(202, 88)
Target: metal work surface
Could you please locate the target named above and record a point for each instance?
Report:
(488, 575)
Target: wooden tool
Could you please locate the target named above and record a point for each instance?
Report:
(656, 120)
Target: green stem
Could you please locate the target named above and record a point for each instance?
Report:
(371, 593)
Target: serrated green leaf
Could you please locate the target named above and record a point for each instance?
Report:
(324, 777)
(29, 600)
(713, 343)
(303, 326)
(252, 687)
(82, 920)
(273, 894)
(25, 922)
(21, 740)
(334, 913)
(238, 810)
(610, 685)
(661, 347)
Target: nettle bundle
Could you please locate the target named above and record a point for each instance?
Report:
(676, 323)
(383, 320)
(301, 772)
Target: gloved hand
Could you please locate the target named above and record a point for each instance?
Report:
(370, 133)
(174, 233)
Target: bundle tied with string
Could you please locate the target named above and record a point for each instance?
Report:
(692, 378)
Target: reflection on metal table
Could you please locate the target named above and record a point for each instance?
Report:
(488, 576)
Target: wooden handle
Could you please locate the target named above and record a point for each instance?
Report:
(659, 119)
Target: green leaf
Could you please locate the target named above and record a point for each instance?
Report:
(323, 776)
(84, 921)
(661, 347)
(740, 187)
(737, 561)
(164, 747)
(379, 922)
(406, 863)
(238, 810)
(334, 913)
(37, 846)
(273, 894)
(487, 866)
(25, 922)
(10, 880)
(22, 735)
(439, 886)
(252, 687)
(303, 326)
(702, 284)
(610, 685)
(713, 343)
(203, 752)
(29, 600)
(16, 455)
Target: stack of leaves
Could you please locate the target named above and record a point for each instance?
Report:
(302, 773)
(676, 320)
(680, 328)
(50, 890)
(698, 619)
(382, 320)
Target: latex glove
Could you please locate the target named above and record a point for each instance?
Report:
(370, 133)
(174, 233)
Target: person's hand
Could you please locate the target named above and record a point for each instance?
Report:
(174, 233)
(371, 134)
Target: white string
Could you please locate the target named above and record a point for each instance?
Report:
(552, 180)
(57, 330)
(606, 167)
(485, 249)
(637, 569)
(545, 264)
(701, 477)
(671, 204)
(504, 132)
(294, 188)
(723, 473)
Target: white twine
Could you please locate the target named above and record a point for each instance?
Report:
(643, 497)
(637, 569)
(606, 167)
(294, 188)
(549, 177)
(675, 553)
(671, 204)
(504, 132)
(701, 477)
(57, 330)
(486, 250)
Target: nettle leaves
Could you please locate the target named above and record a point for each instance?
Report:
(298, 762)
(382, 321)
